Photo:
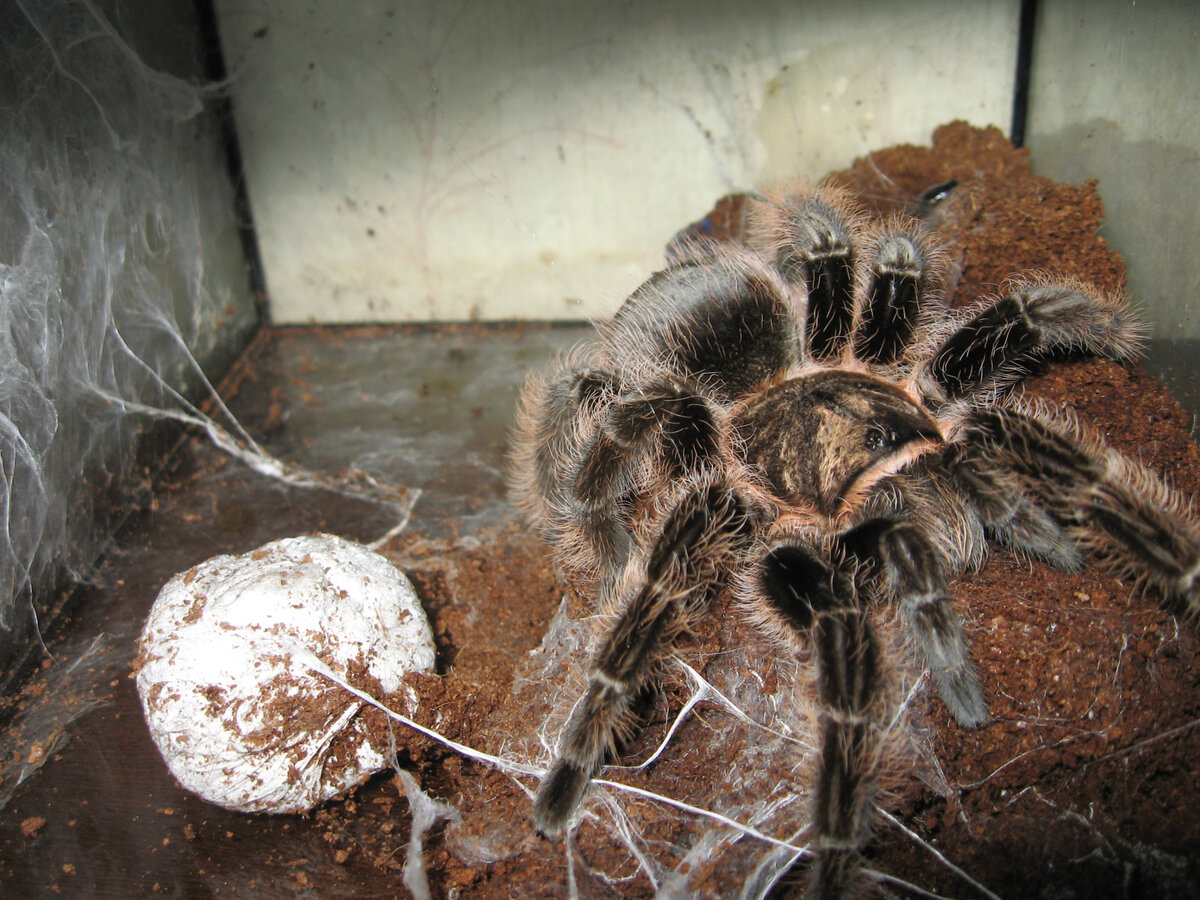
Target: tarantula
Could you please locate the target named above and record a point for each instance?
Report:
(801, 418)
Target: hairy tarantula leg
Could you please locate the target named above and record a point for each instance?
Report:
(603, 528)
(815, 597)
(1007, 515)
(810, 239)
(561, 405)
(1113, 507)
(998, 344)
(900, 277)
(688, 565)
(907, 567)
(667, 417)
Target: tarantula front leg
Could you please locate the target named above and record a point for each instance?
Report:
(905, 566)
(1101, 501)
(900, 285)
(695, 553)
(820, 598)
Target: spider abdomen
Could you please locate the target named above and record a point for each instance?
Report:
(728, 325)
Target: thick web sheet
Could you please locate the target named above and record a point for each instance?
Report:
(119, 263)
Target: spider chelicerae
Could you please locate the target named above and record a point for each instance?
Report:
(799, 417)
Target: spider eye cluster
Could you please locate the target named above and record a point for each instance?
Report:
(880, 438)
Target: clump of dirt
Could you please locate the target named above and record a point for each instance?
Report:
(1086, 781)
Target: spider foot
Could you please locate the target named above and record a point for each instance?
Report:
(560, 796)
(1134, 523)
(835, 875)
(938, 631)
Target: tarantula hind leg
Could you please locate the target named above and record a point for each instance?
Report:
(819, 598)
(667, 418)
(1000, 343)
(696, 551)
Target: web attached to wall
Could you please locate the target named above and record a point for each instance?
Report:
(113, 206)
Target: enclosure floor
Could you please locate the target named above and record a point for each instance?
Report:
(427, 409)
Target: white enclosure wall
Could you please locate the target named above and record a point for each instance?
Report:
(418, 160)
(1116, 96)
